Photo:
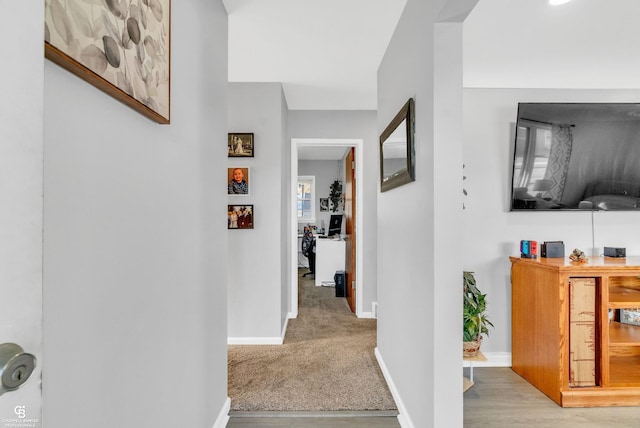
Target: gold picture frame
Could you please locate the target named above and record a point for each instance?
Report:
(120, 46)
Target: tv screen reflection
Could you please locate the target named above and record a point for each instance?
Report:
(576, 156)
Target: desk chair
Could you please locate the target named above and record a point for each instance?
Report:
(309, 250)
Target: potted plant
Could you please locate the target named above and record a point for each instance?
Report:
(336, 195)
(476, 323)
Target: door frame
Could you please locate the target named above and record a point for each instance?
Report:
(293, 231)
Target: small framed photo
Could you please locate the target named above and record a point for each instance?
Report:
(240, 145)
(240, 217)
(238, 180)
(324, 204)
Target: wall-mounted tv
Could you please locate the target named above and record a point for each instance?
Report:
(576, 156)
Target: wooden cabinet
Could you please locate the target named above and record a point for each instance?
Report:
(541, 343)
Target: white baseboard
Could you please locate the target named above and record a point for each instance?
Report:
(292, 315)
(373, 314)
(260, 340)
(254, 341)
(223, 416)
(284, 330)
(494, 359)
(403, 416)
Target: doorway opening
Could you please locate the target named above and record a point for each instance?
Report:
(324, 333)
(300, 145)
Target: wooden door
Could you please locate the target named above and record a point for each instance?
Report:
(350, 228)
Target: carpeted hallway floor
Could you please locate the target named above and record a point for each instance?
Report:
(326, 363)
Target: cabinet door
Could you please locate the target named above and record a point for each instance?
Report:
(582, 332)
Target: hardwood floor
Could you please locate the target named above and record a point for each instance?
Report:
(500, 399)
(314, 420)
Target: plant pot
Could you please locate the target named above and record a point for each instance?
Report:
(470, 349)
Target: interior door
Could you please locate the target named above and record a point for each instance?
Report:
(21, 217)
(350, 229)
(21, 282)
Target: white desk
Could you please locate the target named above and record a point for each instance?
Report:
(330, 257)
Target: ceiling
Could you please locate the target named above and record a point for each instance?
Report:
(584, 44)
(326, 54)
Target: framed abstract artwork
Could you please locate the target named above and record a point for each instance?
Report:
(120, 46)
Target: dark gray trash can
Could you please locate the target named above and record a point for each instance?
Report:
(340, 278)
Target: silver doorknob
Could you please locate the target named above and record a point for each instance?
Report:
(15, 367)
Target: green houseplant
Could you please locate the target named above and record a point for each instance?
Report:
(476, 323)
(336, 195)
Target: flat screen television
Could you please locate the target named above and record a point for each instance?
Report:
(335, 225)
(576, 156)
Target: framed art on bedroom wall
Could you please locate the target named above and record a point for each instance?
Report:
(121, 47)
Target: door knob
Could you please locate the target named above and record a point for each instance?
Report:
(15, 367)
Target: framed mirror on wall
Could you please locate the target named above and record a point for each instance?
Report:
(397, 159)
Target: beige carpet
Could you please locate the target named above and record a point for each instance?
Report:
(326, 363)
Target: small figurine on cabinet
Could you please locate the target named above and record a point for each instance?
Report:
(578, 256)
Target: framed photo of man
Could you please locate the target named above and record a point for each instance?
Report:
(238, 180)
(240, 145)
(240, 217)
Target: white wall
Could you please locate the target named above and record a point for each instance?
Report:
(21, 147)
(491, 232)
(256, 310)
(419, 233)
(135, 243)
(351, 125)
